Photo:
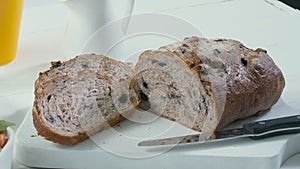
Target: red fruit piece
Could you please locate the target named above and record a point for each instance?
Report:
(3, 140)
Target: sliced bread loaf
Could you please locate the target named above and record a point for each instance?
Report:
(81, 96)
(207, 84)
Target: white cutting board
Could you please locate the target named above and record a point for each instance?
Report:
(117, 147)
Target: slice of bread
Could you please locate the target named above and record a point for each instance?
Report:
(207, 84)
(81, 96)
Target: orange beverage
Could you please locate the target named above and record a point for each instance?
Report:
(10, 18)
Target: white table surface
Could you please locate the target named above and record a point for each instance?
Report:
(258, 23)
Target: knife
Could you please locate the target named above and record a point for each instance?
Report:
(254, 130)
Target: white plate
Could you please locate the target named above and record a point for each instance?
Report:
(7, 151)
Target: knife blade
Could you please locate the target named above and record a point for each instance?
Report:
(254, 130)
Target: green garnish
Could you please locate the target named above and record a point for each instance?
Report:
(4, 124)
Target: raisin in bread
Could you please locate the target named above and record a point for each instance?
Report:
(207, 84)
(81, 96)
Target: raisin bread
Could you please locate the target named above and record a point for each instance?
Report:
(81, 96)
(207, 84)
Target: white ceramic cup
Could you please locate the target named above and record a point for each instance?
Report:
(7, 152)
(87, 16)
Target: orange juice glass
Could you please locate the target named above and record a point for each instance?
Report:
(10, 18)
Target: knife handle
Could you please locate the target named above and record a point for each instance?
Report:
(273, 127)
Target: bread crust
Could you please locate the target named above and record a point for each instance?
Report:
(72, 139)
(55, 65)
(52, 135)
(249, 81)
(62, 139)
(248, 98)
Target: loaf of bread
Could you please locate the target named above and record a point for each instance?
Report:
(79, 97)
(207, 84)
(200, 83)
